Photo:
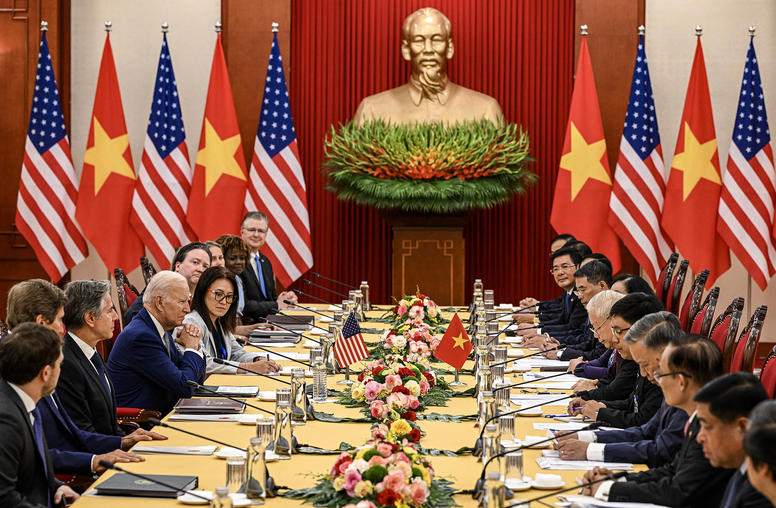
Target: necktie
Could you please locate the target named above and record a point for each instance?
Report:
(260, 273)
(37, 428)
(167, 343)
(735, 484)
(97, 362)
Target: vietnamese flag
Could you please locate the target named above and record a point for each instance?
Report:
(694, 184)
(455, 346)
(220, 181)
(108, 177)
(581, 202)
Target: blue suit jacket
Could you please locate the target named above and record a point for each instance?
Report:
(654, 443)
(143, 374)
(71, 448)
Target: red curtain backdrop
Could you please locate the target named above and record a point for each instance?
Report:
(518, 51)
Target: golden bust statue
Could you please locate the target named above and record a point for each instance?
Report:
(429, 96)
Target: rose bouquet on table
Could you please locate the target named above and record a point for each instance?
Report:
(380, 473)
(400, 432)
(415, 309)
(391, 388)
(415, 342)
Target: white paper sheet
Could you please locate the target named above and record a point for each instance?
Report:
(557, 379)
(530, 400)
(566, 385)
(539, 361)
(557, 464)
(591, 502)
(241, 391)
(559, 425)
(273, 344)
(175, 450)
(291, 354)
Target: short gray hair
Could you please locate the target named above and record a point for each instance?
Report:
(255, 216)
(601, 304)
(83, 296)
(160, 285)
(656, 330)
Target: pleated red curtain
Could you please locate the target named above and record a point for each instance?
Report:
(518, 51)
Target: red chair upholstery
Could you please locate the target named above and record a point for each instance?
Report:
(743, 356)
(147, 268)
(723, 332)
(675, 289)
(664, 279)
(692, 302)
(701, 323)
(768, 374)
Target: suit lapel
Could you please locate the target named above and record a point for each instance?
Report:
(253, 281)
(31, 432)
(88, 367)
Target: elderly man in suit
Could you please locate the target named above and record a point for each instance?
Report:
(30, 360)
(145, 366)
(72, 450)
(258, 278)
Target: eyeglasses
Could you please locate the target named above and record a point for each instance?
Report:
(619, 331)
(222, 297)
(595, 330)
(564, 267)
(253, 231)
(659, 376)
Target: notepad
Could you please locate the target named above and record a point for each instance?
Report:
(175, 450)
(557, 464)
(591, 502)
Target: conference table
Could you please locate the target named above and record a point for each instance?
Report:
(301, 471)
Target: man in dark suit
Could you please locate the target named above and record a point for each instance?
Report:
(760, 447)
(30, 360)
(145, 366)
(723, 410)
(191, 261)
(261, 299)
(688, 363)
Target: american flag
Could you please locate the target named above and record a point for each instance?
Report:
(350, 346)
(45, 206)
(276, 184)
(164, 178)
(748, 188)
(639, 179)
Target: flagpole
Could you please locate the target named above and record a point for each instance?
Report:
(749, 277)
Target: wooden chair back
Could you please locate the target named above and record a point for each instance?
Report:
(692, 303)
(675, 289)
(664, 279)
(701, 323)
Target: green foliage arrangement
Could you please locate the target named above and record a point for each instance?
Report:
(428, 167)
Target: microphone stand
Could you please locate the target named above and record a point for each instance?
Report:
(332, 280)
(235, 364)
(272, 488)
(343, 295)
(109, 465)
(198, 386)
(480, 484)
(308, 295)
(526, 502)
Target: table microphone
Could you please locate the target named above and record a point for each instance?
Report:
(198, 386)
(109, 465)
(495, 335)
(477, 443)
(559, 347)
(294, 331)
(527, 502)
(343, 295)
(480, 485)
(498, 317)
(300, 292)
(332, 280)
(281, 355)
(272, 488)
(236, 364)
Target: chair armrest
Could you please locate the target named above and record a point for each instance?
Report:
(132, 414)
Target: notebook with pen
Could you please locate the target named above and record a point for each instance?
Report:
(209, 406)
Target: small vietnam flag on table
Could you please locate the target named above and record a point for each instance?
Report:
(455, 346)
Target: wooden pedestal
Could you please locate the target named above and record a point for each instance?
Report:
(429, 257)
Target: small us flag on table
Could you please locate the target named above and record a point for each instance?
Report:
(350, 346)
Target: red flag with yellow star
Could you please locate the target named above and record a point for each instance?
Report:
(220, 182)
(581, 202)
(455, 346)
(694, 184)
(108, 177)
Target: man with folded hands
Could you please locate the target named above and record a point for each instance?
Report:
(655, 442)
(687, 364)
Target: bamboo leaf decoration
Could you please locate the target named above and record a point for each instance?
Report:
(428, 167)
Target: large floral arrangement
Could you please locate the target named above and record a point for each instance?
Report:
(380, 473)
(415, 310)
(391, 388)
(428, 167)
(415, 342)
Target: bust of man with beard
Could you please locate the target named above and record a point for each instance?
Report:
(429, 96)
